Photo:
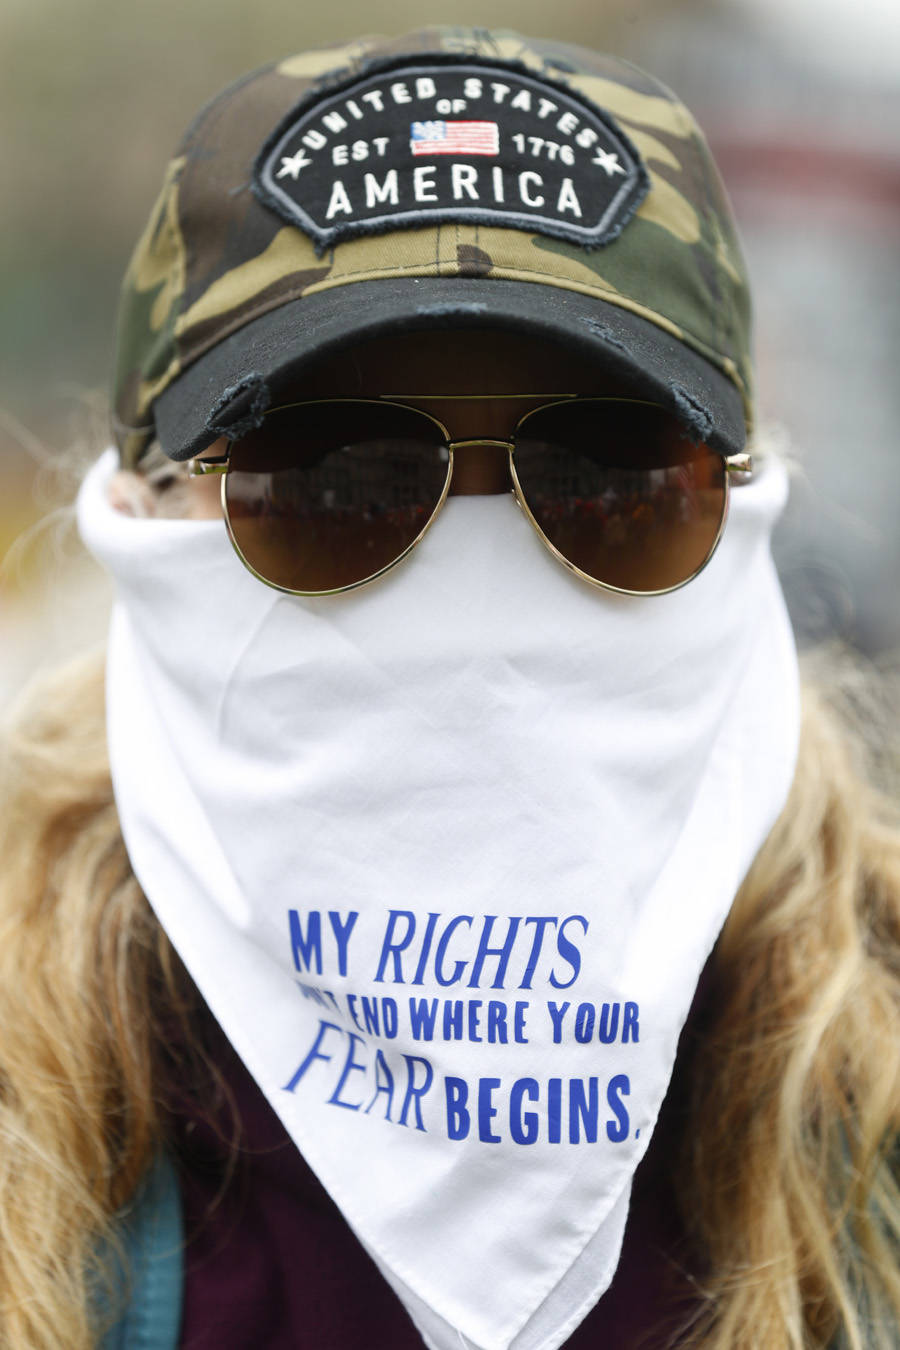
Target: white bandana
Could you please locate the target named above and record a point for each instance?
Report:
(445, 856)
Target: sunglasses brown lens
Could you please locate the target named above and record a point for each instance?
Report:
(622, 491)
(325, 495)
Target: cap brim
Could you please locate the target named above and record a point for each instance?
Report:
(279, 344)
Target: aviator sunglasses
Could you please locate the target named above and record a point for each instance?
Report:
(328, 494)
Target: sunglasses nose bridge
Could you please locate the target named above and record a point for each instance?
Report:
(479, 440)
(484, 470)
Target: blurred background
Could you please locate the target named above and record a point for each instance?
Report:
(800, 101)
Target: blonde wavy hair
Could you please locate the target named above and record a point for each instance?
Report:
(787, 1182)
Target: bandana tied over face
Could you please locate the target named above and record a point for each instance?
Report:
(445, 856)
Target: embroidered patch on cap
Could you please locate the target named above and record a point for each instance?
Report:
(424, 142)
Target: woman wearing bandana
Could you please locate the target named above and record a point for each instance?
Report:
(443, 922)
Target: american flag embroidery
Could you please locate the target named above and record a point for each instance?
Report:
(454, 138)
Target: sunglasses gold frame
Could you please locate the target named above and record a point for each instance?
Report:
(738, 467)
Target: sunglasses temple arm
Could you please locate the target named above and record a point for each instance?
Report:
(198, 467)
(739, 464)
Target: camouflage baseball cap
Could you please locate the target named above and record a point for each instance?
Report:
(452, 176)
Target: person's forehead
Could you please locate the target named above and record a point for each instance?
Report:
(454, 361)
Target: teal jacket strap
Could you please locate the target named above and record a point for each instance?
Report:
(153, 1236)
